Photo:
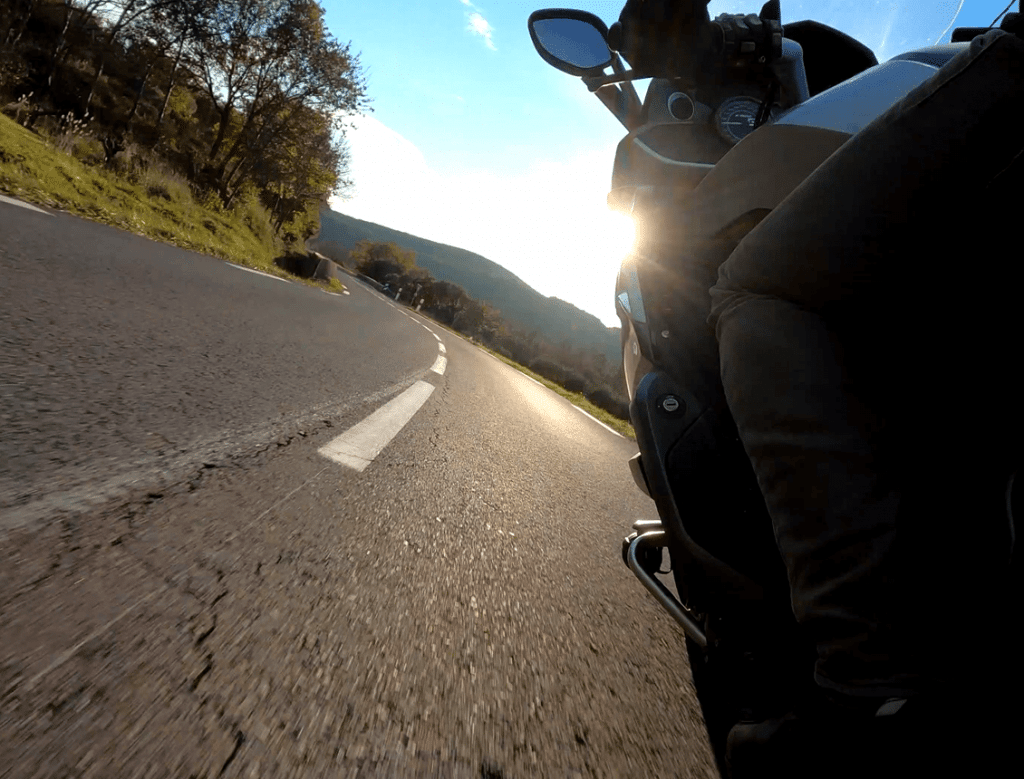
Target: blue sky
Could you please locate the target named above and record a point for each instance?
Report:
(475, 141)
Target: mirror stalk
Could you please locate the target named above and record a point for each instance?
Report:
(634, 108)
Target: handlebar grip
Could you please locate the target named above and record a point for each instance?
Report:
(750, 37)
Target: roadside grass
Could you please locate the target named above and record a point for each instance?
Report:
(151, 202)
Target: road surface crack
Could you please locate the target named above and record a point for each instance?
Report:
(206, 633)
(207, 667)
(239, 740)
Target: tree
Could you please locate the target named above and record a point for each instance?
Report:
(449, 300)
(84, 9)
(122, 13)
(294, 162)
(369, 251)
(266, 60)
(142, 49)
(173, 27)
(17, 19)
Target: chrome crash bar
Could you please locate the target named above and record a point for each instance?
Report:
(648, 538)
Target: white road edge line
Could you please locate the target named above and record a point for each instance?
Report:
(439, 365)
(22, 204)
(602, 424)
(440, 347)
(359, 445)
(258, 272)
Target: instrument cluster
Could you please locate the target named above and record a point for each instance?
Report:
(732, 116)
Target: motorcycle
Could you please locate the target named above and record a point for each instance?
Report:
(690, 172)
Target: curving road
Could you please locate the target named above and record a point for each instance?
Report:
(248, 528)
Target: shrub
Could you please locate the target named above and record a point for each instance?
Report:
(248, 208)
(88, 150)
(14, 71)
(548, 369)
(159, 180)
(211, 201)
(158, 189)
(574, 382)
(69, 132)
(122, 166)
(19, 107)
(602, 398)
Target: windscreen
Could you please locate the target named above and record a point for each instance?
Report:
(887, 27)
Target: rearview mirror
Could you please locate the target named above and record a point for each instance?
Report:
(575, 42)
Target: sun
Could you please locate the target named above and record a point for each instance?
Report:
(600, 240)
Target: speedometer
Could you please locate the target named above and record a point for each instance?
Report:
(736, 116)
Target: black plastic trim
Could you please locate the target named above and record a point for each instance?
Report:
(656, 433)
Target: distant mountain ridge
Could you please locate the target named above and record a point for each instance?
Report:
(522, 306)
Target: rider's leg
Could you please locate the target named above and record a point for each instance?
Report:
(844, 321)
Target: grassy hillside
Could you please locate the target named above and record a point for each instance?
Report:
(150, 202)
(521, 305)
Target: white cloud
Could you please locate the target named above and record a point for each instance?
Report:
(481, 27)
(478, 25)
(547, 224)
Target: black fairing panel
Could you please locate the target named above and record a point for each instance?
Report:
(720, 535)
(725, 511)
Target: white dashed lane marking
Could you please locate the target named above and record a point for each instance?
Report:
(358, 446)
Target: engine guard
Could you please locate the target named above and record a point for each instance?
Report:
(642, 553)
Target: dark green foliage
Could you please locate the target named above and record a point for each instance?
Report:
(547, 368)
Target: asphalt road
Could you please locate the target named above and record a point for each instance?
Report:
(190, 587)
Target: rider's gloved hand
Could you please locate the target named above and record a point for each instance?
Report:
(659, 37)
(676, 38)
